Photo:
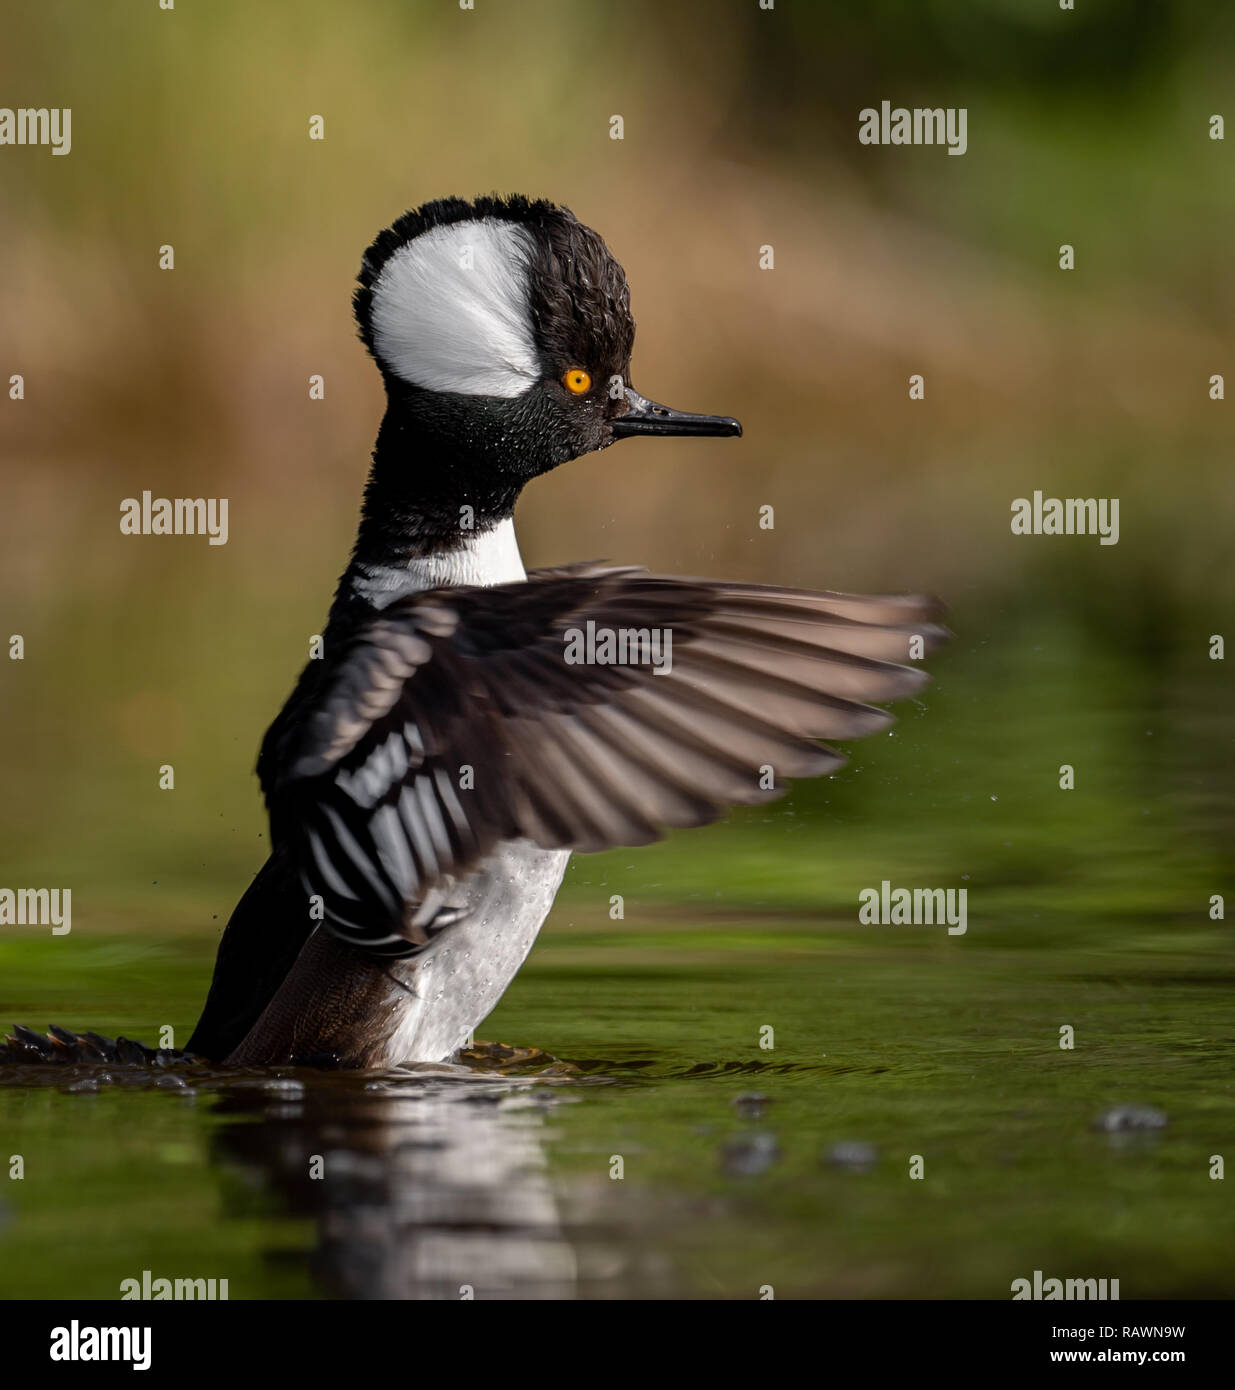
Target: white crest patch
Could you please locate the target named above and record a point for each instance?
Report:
(450, 310)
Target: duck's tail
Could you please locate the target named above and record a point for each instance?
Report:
(59, 1046)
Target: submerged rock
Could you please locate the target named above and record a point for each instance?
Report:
(751, 1105)
(852, 1155)
(1120, 1118)
(749, 1155)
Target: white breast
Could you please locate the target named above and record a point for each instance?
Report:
(457, 984)
(487, 557)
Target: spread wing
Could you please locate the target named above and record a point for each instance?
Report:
(459, 718)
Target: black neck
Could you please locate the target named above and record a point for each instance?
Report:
(427, 493)
(427, 490)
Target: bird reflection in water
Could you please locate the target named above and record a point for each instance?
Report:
(427, 1183)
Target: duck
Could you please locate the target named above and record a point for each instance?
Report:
(466, 725)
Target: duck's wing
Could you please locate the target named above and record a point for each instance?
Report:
(62, 1047)
(460, 718)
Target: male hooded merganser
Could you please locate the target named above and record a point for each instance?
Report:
(431, 773)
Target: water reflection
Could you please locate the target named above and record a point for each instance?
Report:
(431, 1182)
(428, 1184)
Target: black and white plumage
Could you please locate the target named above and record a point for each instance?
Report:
(428, 778)
(451, 723)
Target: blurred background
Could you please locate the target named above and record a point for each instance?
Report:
(191, 128)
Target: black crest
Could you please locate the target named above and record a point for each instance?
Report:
(579, 299)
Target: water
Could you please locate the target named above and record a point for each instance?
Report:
(508, 1185)
(740, 1087)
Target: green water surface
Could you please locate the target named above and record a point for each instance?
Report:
(737, 967)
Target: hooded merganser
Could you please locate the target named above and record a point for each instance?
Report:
(431, 773)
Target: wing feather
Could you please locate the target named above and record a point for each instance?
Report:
(453, 721)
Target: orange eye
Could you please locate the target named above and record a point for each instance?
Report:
(577, 381)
